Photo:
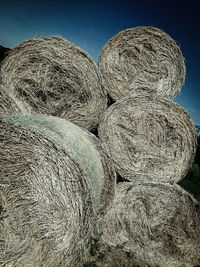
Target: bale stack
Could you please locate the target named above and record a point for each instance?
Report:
(54, 181)
(146, 134)
(152, 142)
(58, 181)
(52, 76)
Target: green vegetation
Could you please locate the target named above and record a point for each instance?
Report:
(130, 254)
(101, 254)
(90, 264)
(95, 252)
(191, 182)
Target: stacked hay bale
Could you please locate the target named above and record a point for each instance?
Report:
(158, 223)
(142, 57)
(52, 76)
(54, 181)
(152, 142)
(148, 138)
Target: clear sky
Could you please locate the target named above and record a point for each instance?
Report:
(90, 24)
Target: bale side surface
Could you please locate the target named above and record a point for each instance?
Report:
(143, 56)
(55, 77)
(158, 223)
(10, 105)
(84, 148)
(149, 138)
(47, 195)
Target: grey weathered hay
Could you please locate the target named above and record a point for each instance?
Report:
(54, 181)
(159, 223)
(55, 77)
(11, 105)
(143, 56)
(149, 138)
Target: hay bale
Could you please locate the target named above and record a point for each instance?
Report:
(55, 77)
(158, 223)
(149, 138)
(139, 57)
(54, 181)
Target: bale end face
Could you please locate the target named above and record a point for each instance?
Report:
(143, 56)
(160, 223)
(53, 76)
(149, 138)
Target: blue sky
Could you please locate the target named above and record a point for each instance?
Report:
(90, 24)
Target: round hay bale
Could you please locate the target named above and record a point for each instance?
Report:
(55, 77)
(149, 138)
(158, 223)
(54, 181)
(139, 57)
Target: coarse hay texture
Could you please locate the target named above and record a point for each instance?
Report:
(139, 57)
(54, 182)
(149, 138)
(11, 105)
(158, 223)
(55, 77)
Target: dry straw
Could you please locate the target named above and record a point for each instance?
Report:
(158, 223)
(149, 138)
(54, 180)
(55, 77)
(10, 105)
(143, 56)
